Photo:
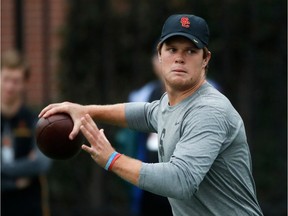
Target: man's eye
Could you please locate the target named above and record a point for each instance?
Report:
(191, 51)
(171, 50)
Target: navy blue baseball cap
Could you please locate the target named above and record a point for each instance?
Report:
(190, 26)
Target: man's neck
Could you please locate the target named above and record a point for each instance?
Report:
(10, 109)
(176, 97)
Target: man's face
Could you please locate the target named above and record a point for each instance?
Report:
(12, 85)
(183, 65)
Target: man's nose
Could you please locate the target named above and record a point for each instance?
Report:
(179, 59)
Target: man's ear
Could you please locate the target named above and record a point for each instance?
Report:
(207, 59)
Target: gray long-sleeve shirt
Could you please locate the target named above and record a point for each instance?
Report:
(205, 163)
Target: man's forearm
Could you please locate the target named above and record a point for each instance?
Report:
(27, 167)
(7, 184)
(128, 169)
(110, 114)
(164, 179)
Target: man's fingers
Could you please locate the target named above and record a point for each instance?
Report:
(51, 110)
(89, 136)
(75, 130)
(87, 149)
(90, 121)
(90, 125)
(43, 111)
(103, 135)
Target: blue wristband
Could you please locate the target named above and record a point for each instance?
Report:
(110, 160)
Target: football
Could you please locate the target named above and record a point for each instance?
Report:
(52, 137)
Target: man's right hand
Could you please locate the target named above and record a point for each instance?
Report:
(76, 111)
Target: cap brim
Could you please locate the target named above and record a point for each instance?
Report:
(194, 39)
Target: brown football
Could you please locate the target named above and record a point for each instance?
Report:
(52, 137)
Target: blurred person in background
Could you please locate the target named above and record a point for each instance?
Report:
(144, 146)
(22, 164)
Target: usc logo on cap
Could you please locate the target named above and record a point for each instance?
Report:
(185, 22)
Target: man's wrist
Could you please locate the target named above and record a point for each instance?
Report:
(91, 110)
(111, 160)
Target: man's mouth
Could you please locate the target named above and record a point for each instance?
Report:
(179, 70)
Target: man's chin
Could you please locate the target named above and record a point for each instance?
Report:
(179, 86)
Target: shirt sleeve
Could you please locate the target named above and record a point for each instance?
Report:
(8, 184)
(201, 139)
(142, 116)
(26, 167)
